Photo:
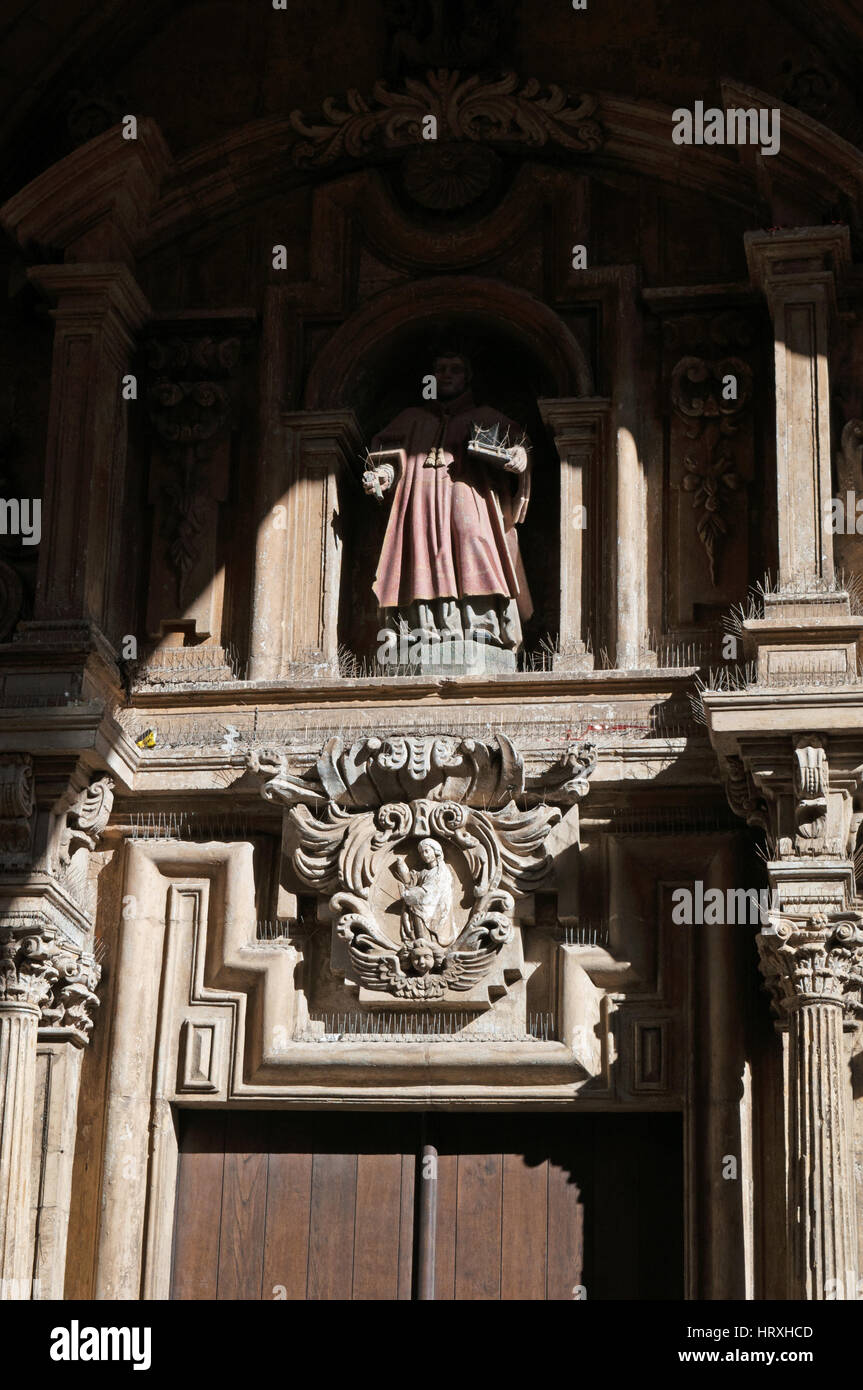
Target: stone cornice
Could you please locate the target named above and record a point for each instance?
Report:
(96, 201)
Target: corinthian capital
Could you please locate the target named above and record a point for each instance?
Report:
(73, 999)
(39, 968)
(814, 961)
(27, 969)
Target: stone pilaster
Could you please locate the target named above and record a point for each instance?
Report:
(27, 977)
(797, 270)
(579, 427)
(814, 969)
(801, 788)
(298, 559)
(99, 309)
(47, 988)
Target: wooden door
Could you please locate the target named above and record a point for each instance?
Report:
(524, 1206)
(297, 1206)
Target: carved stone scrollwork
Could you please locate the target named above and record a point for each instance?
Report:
(17, 805)
(86, 819)
(505, 111)
(741, 794)
(375, 770)
(405, 828)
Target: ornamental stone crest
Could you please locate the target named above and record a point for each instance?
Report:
(422, 850)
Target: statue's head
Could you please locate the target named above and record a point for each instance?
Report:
(452, 371)
(430, 852)
(421, 956)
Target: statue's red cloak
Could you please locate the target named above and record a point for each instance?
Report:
(451, 531)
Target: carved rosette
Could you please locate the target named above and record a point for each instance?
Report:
(356, 820)
(813, 961)
(41, 971)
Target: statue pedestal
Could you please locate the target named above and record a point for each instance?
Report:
(456, 657)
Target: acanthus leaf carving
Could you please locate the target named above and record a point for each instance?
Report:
(374, 771)
(40, 969)
(816, 960)
(502, 112)
(27, 969)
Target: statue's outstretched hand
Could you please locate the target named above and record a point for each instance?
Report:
(377, 481)
(517, 459)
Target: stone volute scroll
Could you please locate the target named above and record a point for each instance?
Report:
(422, 846)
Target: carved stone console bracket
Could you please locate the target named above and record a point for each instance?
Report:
(17, 806)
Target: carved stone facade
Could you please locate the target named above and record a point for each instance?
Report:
(251, 865)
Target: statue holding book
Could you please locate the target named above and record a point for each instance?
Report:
(458, 479)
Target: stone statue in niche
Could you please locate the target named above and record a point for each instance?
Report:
(450, 571)
(427, 897)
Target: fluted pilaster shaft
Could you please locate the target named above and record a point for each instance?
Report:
(19, 1024)
(822, 1247)
(814, 969)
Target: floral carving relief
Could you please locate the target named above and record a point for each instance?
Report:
(701, 397)
(507, 111)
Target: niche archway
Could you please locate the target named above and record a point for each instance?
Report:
(522, 353)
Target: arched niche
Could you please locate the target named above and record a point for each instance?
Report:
(347, 367)
(522, 354)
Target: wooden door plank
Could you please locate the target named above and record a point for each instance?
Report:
(477, 1258)
(376, 1229)
(286, 1243)
(331, 1239)
(406, 1227)
(244, 1205)
(524, 1228)
(570, 1174)
(199, 1205)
